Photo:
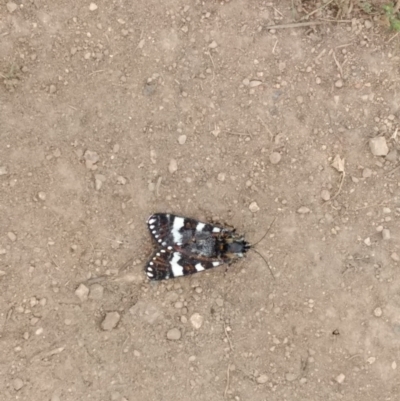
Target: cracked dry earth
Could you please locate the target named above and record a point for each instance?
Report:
(111, 111)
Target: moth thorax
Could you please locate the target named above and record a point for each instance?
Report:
(238, 246)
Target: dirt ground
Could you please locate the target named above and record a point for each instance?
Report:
(115, 110)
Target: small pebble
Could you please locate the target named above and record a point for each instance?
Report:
(3, 170)
(96, 292)
(262, 379)
(221, 177)
(254, 208)
(11, 7)
(378, 312)
(386, 234)
(371, 360)
(303, 210)
(42, 196)
(52, 89)
(178, 305)
(378, 146)
(91, 158)
(325, 195)
(213, 45)
(18, 384)
(93, 7)
(367, 241)
(12, 236)
(173, 166)
(367, 173)
(174, 334)
(182, 139)
(197, 320)
(395, 257)
(275, 157)
(339, 83)
(39, 331)
(340, 378)
(110, 321)
(299, 99)
(394, 365)
(98, 181)
(254, 84)
(290, 377)
(82, 292)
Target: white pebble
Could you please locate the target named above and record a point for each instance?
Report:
(93, 7)
(254, 207)
(173, 166)
(110, 321)
(386, 234)
(213, 45)
(254, 84)
(197, 320)
(11, 7)
(303, 210)
(18, 384)
(3, 170)
(325, 195)
(275, 157)
(371, 360)
(395, 257)
(174, 334)
(367, 241)
(394, 365)
(378, 146)
(221, 177)
(378, 312)
(339, 83)
(82, 292)
(12, 236)
(182, 139)
(340, 378)
(367, 172)
(42, 196)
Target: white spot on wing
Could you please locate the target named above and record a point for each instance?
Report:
(200, 226)
(152, 226)
(176, 268)
(215, 264)
(150, 274)
(199, 267)
(152, 220)
(216, 230)
(178, 224)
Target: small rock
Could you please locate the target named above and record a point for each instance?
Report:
(275, 157)
(340, 378)
(299, 99)
(262, 379)
(11, 7)
(367, 173)
(378, 146)
(174, 334)
(82, 292)
(121, 180)
(290, 377)
(221, 177)
(182, 139)
(368, 24)
(303, 210)
(253, 84)
(18, 384)
(98, 181)
(96, 292)
(110, 321)
(42, 196)
(394, 365)
(93, 7)
(91, 158)
(325, 195)
(253, 207)
(213, 45)
(339, 83)
(197, 320)
(52, 89)
(392, 156)
(386, 234)
(371, 360)
(12, 237)
(173, 166)
(3, 170)
(367, 241)
(378, 312)
(395, 257)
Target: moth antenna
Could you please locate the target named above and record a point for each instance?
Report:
(269, 228)
(265, 260)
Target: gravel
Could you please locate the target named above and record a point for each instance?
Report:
(275, 157)
(254, 207)
(173, 166)
(378, 312)
(174, 334)
(378, 146)
(197, 320)
(110, 321)
(18, 384)
(82, 292)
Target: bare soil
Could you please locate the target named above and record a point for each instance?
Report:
(113, 111)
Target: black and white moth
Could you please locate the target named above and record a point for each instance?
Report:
(188, 246)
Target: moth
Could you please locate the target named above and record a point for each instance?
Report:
(188, 246)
